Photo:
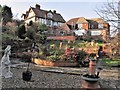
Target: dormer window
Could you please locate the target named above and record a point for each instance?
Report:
(50, 15)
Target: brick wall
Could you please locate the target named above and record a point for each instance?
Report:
(62, 37)
(85, 26)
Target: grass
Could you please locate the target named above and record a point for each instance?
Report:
(108, 62)
(100, 44)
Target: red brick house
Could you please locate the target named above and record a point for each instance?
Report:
(95, 26)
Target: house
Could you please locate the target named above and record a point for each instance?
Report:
(50, 18)
(93, 27)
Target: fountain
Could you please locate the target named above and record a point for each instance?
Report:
(90, 80)
(5, 63)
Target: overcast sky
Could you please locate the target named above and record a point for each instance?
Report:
(67, 8)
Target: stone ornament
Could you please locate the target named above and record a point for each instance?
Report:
(5, 63)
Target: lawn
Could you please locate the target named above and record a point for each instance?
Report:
(108, 62)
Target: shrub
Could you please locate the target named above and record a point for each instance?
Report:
(42, 28)
(21, 31)
(30, 33)
(30, 23)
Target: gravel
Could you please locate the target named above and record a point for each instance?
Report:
(40, 79)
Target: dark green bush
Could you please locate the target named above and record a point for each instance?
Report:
(21, 31)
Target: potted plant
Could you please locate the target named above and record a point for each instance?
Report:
(26, 75)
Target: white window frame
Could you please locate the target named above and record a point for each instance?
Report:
(100, 25)
(80, 26)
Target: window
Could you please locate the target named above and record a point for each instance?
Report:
(48, 22)
(80, 26)
(50, 15)
(100, 25)
(55, 24)
(92, 26)
(89, 26)
(95, 33)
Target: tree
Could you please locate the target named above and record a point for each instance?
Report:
(0, 8)
(6, 14)
(19, 22)
(21, 31)
(30, 33)
(30, 23)
(110, 12)
(42, 28)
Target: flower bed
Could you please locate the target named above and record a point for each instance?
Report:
(53, 63)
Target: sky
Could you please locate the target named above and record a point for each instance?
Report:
(67, 8)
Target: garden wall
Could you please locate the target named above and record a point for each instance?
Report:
(53, 63)
(62, 37)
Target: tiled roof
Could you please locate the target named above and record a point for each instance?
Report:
(91, 21)
(58, 17)
(65, 27)
(39, 13)
(81, 20)
(72, 21)
(98, 20)
(42, 14)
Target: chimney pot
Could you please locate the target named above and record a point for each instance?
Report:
(37, 6)
(54, 11)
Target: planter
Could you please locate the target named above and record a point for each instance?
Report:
(91, 78)
(27, 75)
(90, 82)
(53, 63)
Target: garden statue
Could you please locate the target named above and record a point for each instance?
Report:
(5, 63)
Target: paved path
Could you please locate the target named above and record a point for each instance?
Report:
(58, 77)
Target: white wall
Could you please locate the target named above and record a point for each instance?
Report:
(95, 33)
(80, 32)
(31, 13)
(31, 19)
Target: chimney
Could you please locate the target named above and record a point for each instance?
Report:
(37, 6)
(54, 11)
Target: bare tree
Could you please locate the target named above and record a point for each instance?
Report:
(110, 11)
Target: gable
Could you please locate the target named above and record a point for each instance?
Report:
(31, 13)
(39, 13)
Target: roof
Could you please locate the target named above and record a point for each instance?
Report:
(72, 21)
(65, 27)
(98, 20)
(42, 14)
(81, 20)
